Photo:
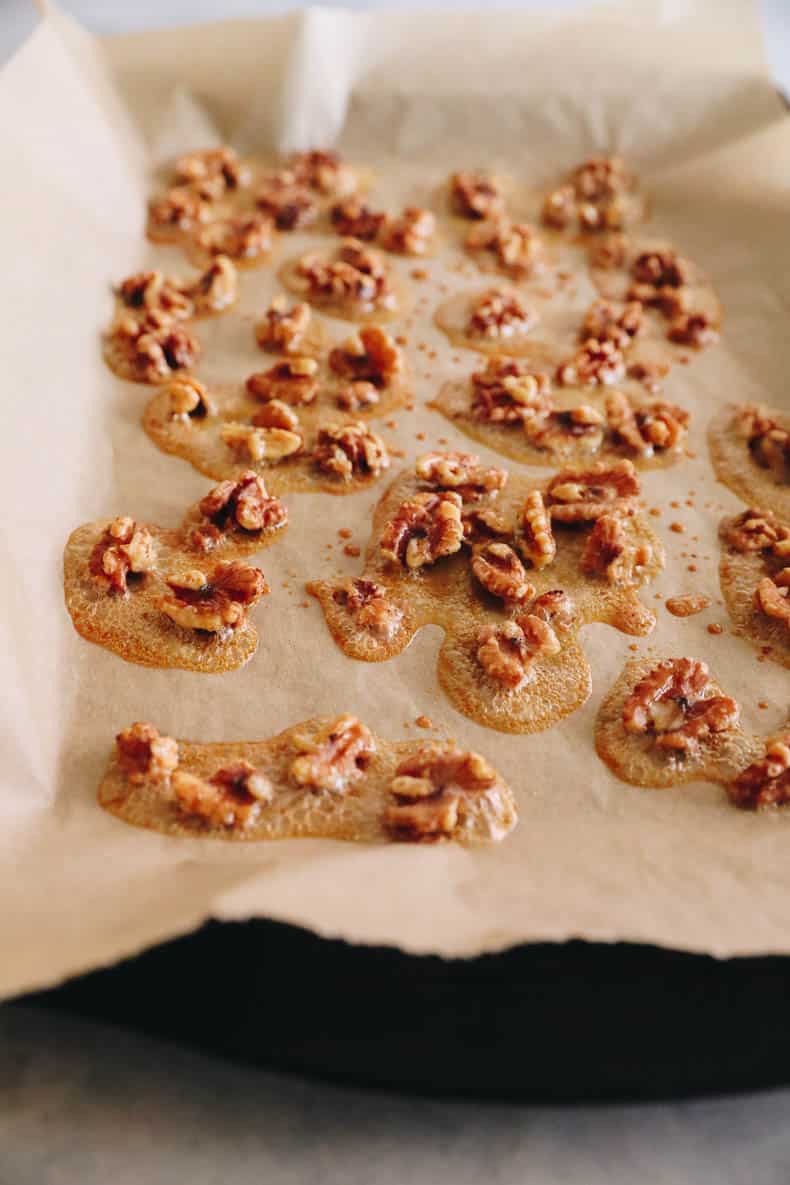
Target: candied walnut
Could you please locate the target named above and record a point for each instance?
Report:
(181, 208)
(244, 503)
(603, 215)
(368, 604)
(322, 170)
(556, 608)
(516, 246)
(232, 797)
(609, 252)
(582, 424)
(509, 652)
(499, 312)
(123, 548)
(535, 538)
(461, 472)
(758, 530)
(693, 329)
(350, 450)
(508, 392)
(246, 236)
(428, 790)
(501, 572)
(335, 757)
(354, 218)
(645, 430)
(216, 603)
(188, 399)
(475, 194)
(156, 351)
(357, 396)
(370, 355)
(354, 274)
(144, 755)
(769, 444)
(287, 201)
(601, 177)
(276, 414)
(410, 234)
(596, 363)
(211, 163)
(483, 522)
(583, 495)
(559, 207)
(766, 782)
(283, 328)
(771, 596)
(293, 381)
(217, 287)
(271, 444)
(660, 269)
(616, 323)
(155, 293)
(423, 529)
(593, 195)
(609, 553)
(671, 704)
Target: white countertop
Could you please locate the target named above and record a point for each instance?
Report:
(83, 1104)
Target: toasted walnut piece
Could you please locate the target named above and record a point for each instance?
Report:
(475, 194)
(608, 552)
(213, 603)
(287, 201)
(123, 548)
(157, 352)
(508, 392)
(270, 444)
(461, 472)
(211, 163)
(322, 170)
(276, 414)
(244, 503)
(688, 605)
(766, 782)
(516, 246)
(535, 538)
(757, 530)
(769, 444)
(583, 426)
(583, 495)
(428, 791)
(282, 328)
(410, 234)
(597, 363)
(357, 396)
(693, 329)
(616, 323)
(423, 529)
(294, 381)
(648, 429)
(499, 312)
(232, 797)
(556, 608)
(335, 757)
(559, 207)
(670, 702)
(501, 572)
(144, 755)
(354, 274)
(370, 355)
(246, 236)
(369, 605)
(771, 596)
(181, 208)
(609, 252)
(354, 218)
(217, 287)
(509, 652)
(350, 450)
(188, 399)
(155, 292)
(660, 269)
(483, 522)
(601, 177)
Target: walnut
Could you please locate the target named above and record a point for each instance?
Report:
(660, 269)
(353, 274)
(693, 329)
(609, 553)
(769, 444)
(592, 195)
(516, 246)
(350, 450)
(125, 547)
(288, 202)
(276, 414)
(233, 797)
(371, 355)
(258, 444)
(559, 207)
(757, 530)
(556, 608)
(428, 790)
(144, 755)
(335, 757)
(601, 216)
(508, 392)
(766, 782)
(535, 538)
(671, 703)
(216, 288)
(611, 322)
(582, 425)
(357, 396)
(283, 328)
(499, 312)
(212, 163)
(601, 177)
(501, 572)
(215, 603)
(354, 218)
(596, 363)
(156, 352)
(368, 604)
(188, 399)
(410, 234)
(423, 529)
(293, 381)
(771, 596)
(244, 503)
(483, 522)
(181, 208)
(609, 252)
(645, 430)
(323, 171)
(247, 236)
(155, 292)
(461, 472)
(475, 194)
(583, 495)
(508, 653)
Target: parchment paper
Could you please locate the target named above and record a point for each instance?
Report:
(680, 88)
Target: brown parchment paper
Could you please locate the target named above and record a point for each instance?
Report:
(681, 89)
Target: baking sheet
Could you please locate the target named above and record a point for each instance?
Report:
(681, 89)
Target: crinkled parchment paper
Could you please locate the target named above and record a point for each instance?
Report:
(680, 88)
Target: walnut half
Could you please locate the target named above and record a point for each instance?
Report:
(671, 704)
(125, 547)
(423, 529)
(509, 652)
(232, 797)
(215, 603)
(766, 782)
(428, 790)
(335, 757)
(370, 607)
(244, 503)
(145, 755)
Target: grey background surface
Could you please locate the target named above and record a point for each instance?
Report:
(83, 1104)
